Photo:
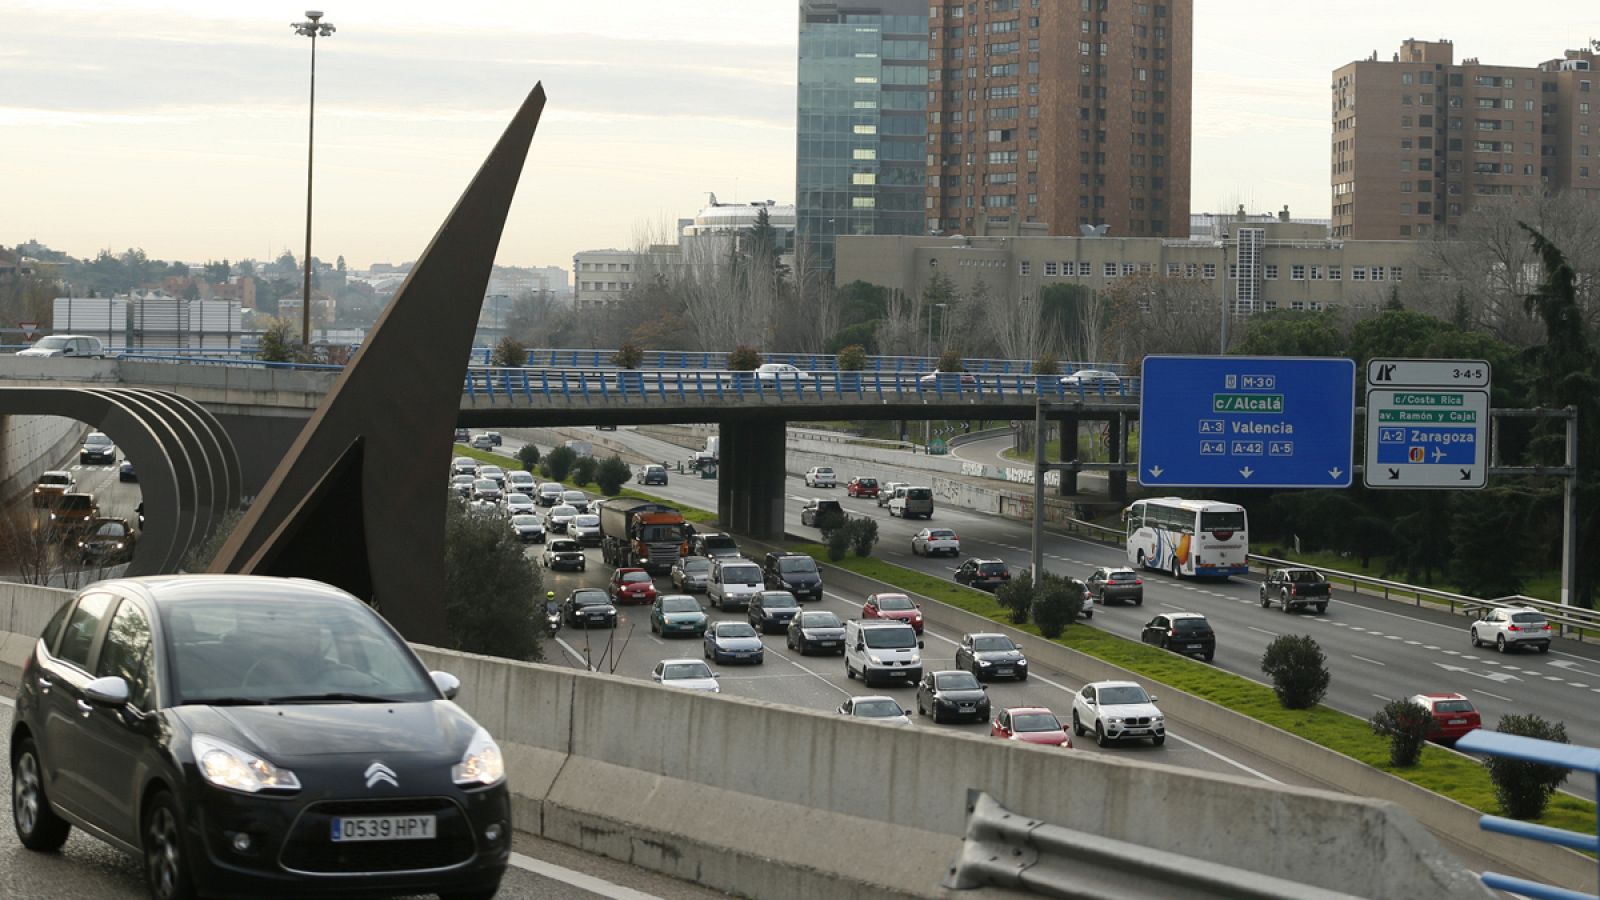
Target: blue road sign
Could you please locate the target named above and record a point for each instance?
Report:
(1247, 421)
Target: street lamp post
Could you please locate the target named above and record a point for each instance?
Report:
(312, 28)
(926, 425)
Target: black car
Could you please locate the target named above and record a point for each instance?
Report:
(127, 473)
(1120, 584)
(793, 572)
(462, 435)
(97, 449)
(990, 655)
(714, 545)
(984, 574)
(589, 608)
(818, 513)
(1182, 632)
(771, 611)
(107, 542)
(653, 475)
(816, 630)
(254, 736)
(952, 694)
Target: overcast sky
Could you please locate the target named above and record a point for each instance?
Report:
(179, 126)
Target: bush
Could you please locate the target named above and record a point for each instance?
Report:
(950, 361)
(1298, 670)
(280, 342)
(611, 475)
(831, 520)
(509, 354)
(1407, 727)
(583, 470)
(853, 358)
(1047, 365)
(862, 533)
(493, 598)
(628, 356)
(744, 358)
(1524, 788)
(1016, 597)
(200, 555)
(838, 541)
(1057, 603)
(528, 456)
(558, 463)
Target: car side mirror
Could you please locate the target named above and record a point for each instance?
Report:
(448, 684)
(716, 674)
(860, 646)
(919, 645)
(1089, 701)
(110, 691)
(1152, 698)
(905, 712)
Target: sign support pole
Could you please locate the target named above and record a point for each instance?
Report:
(1569, 511)
(1037, 559)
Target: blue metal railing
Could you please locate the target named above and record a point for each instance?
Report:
(1550, 753)
(577, 386)
(810, 362)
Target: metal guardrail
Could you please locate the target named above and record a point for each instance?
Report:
(1007, 850)
(1550, 753)
(839, 437)
(811, 362)
(580, 386)
(234, 362)
(1573, 618)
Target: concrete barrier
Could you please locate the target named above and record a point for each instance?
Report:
(768, 801)
(31, 446)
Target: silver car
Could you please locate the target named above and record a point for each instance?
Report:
(528, 528)
(519, 504)
(734, 642)
(585, 529)
(578, 500)
(486, 489)
(690, 573)
(560, 517)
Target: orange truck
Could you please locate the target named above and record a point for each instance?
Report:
(640, 533)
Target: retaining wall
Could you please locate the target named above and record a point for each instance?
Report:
(32, 445)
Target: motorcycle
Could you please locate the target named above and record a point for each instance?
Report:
(552, 618)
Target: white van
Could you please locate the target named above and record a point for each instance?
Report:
(733, 582)
(911, 501)
(882, 650)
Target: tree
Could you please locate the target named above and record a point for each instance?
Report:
(528, 456)
(493, 598)
(1489, 532)
(1150, 314)
(1298, 670)
(744, 358)
(837, 541)
(509, 353)
(1284, 332)
(853, 358)
(1016, 597)
(862, 533)
(583, 469)
(1047, 365)
(218, 272)
(611, 475)
(558, 463)
(628, 356)
(1524, 788)
(1407, 727)
(1057, 603)
(831, 520)
(280, 342)
(950, 361)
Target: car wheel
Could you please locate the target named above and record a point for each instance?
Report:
(1473, 637)
(166, 865)
(1138, 601)
(1545, 647)
(1264, 601)
(1077, 726)
(849, 673)
(1500, 643)
(38, 827)
(1284, 600)
(1100, 735)
(1322, 609)
(1158, 740)
(1211, 655)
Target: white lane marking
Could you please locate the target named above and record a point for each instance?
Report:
(806, 669)
(575, 654)
(1383, 698)
(1429, 647)
(578, 879)
(1365, 660)
(7, 701)
(1171, 606)
(1262, 630)
(1496, 696)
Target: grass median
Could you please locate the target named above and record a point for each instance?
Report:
(690, 513)
(1441, 771)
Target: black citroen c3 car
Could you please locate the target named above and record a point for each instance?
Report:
(247, 736)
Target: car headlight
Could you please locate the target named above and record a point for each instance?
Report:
(876, 660)
(1159, 719)
(481, 764)
(119, 545)
(1114, 720)
(984, 662)
(226, 766)
(1022, 662)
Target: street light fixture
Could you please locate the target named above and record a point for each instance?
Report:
(312, 28)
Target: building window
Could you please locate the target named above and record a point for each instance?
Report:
(1174, 270)
(1049, 269)
(1271, 271)
(1377, 273)
(1358, 273)
(1395, 272)
(1189, 270)
(1210, 271)
(1316, 273)
(1109, 270)
(865, 153)
(863, 203)
(1297, 273)
(1085, 270)
(866, 129)
(863, 178)
(1333, 272)
(1025, 267)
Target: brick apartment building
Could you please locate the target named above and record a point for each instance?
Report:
(1433, 138)
(1057, 114)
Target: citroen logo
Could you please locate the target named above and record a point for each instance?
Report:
(378, 772)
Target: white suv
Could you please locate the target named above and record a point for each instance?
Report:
(1511, 627)
(733, 582)
(1115, 710)
(820, 476)
(59, 345)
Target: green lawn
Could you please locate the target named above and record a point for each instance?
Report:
(1440, 771)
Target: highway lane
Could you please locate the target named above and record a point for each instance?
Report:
(115, 498)
(1377, 650)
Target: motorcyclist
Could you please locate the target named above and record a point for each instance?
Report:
(551, 607)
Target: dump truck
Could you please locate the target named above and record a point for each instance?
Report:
(640, 533)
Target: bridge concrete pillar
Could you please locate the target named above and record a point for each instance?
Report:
(1067, 430)
(750, 495)
(1117, 441)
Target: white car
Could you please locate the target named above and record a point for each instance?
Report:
(688, 674)
(820, 476)
(560, 517)
(585, 529)
(578, 500)
(1512, 626)
(933, 541)
(495, 472)
(518, 504)
(875, 708)
(61, 345)
(1117, 710)
(782, 372)
(1092, 380)
(886, 491)
(550, 493)
(522, 482)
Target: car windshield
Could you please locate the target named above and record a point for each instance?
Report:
(867, 482)
(635, 577)
(76, 501)
(882, 708)
(828, 506)
(515, 499)
(941, 534)
(590, 597)
(272, 649)
(820, 620)
(918, 494)
(573, 497)
(901, 638)
(956, 681)
(735, 630)
(551, 488)
(526, 520)
(1123, 694)
(587, 521)
(778, 600)
(55, 478)
(1306, 576)
(824, 471)
(679, 604)
(992, 568)
(695, 565)
(1022, 722)
(111, 530)
(97, 440)
(1452, 706)
(895, 602)
(485, 484)
(676, 671)
(462, 479)
(1191, 625)
(51, 343)
(564, 547)
(992, 643)
(1527, 618)
(563, 510)
(737, 574)
(797, 565)
(489, 471)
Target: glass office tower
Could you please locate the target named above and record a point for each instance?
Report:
(862, 121)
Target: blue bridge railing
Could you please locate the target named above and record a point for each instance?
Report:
(810, 362)
(1550, 753)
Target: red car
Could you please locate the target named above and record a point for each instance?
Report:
(862, 487)
(1453, 713)
(1032, 725)
(893, 606)
(631, 586)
